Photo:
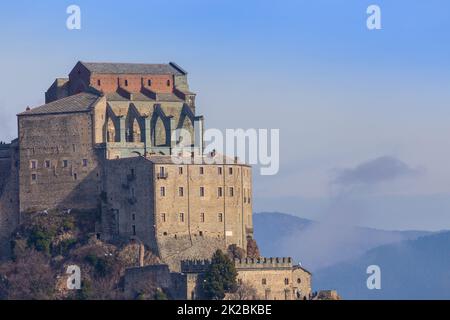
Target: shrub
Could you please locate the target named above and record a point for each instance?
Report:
(220, 277)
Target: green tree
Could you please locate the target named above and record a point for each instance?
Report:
(220, 277)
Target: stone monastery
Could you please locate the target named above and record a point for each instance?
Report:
(103, 140)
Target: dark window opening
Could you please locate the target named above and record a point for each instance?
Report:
(126, 83)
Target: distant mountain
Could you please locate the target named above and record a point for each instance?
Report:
(317, 244)
(415, 269)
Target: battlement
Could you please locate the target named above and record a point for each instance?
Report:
(198, 266)
(263, 263)
(194, 266)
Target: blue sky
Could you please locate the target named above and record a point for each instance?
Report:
(340, 94)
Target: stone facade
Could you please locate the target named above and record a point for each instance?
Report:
(272, 278)
(59, 164)
(9, 194)
(182, 211)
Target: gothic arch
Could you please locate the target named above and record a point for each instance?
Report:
(186, 122)
(112, 126)
(159, 127)
(135, 126)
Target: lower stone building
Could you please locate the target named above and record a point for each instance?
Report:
(268, 279)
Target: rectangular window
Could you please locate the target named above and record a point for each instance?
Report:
(264, 281)
(133, 217)
(47, 163)
(75, 176)
(149, 82)
(202, 191)
(181, 191)
(286, 281)
(220, 217)
(33, 164)
(134, 230)
(163, 191)
(34, 177)
(163, 217)
(181, 217)
(230, 170)
(202, 217)
(219, 170)
(65, 163)
(202, 171)
(219, 192)
(126, 83)
(180, 170)
(85, 162)
(98, 82)
(231, 192)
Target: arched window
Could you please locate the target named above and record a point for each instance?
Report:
(111, 131)
(136, 135)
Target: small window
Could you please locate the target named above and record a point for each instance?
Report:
(220, 217)
(75, 176)
(299, 280)
(200, 233)
(98, 82)
(181, 191)
(47, 163)
(219, 170)
(264, 281)
(65, 163)
(230, 170)
(202, 217)
(126, 83)
(168, 83)
(134, 230)
(163, 191)
(202, 171)
(286, 281)
(133, 217)
(163, 217)
(34, 177)
(85, 162)
(219, 192)
(181, 217)
(149, 82)
(202, 191)
(180, 170)
(231, 192)
(33, 164)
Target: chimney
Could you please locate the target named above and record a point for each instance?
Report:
(141, 254)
